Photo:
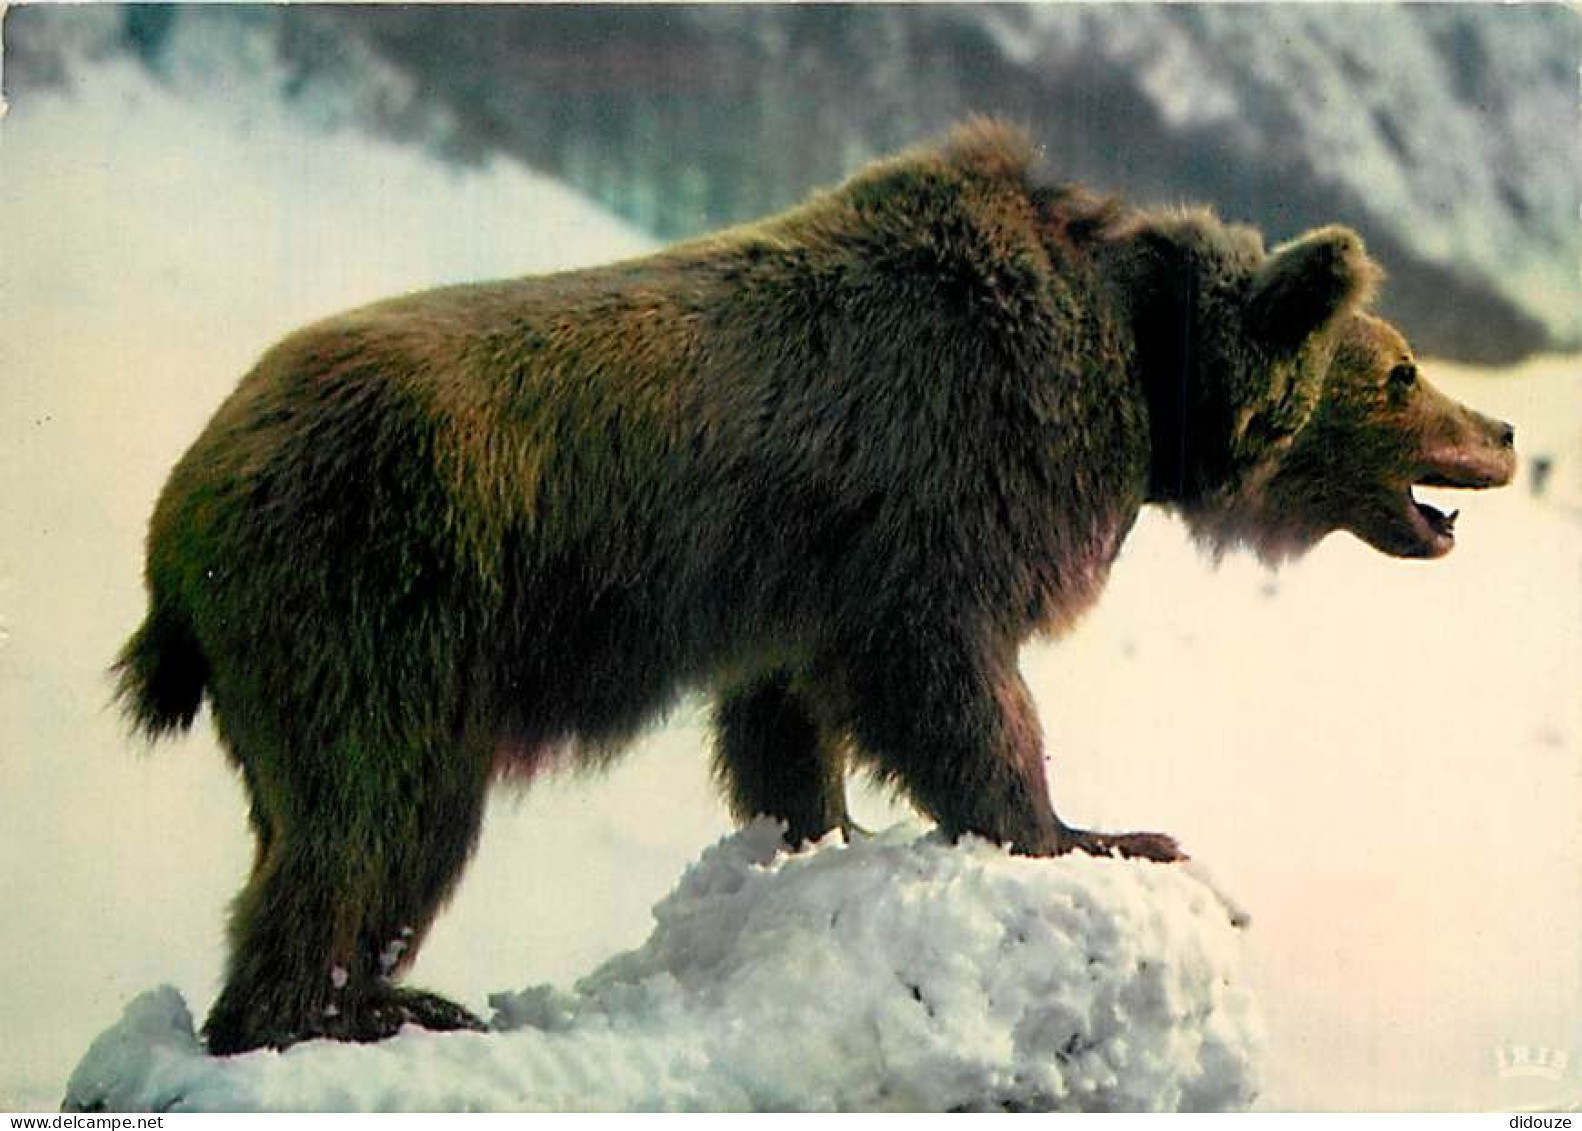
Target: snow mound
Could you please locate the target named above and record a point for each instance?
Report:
(898, 972)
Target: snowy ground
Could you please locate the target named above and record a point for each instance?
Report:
(895, 974)
(1382, 761)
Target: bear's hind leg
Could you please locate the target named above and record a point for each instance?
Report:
(349, 877)
(773, 759)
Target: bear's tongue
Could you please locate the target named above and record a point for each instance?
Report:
(1441, 523)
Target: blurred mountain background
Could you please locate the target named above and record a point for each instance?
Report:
(1448, 134)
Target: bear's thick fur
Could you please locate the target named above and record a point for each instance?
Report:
(832, 468)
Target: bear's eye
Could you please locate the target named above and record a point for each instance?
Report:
(1403, 376)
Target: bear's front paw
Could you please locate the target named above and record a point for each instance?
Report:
(1145, 846)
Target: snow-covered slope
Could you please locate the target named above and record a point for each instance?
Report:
(1382, 760)
(894, 974)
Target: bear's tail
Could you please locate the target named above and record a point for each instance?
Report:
(161, 673)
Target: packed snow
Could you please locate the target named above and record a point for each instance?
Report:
(898, 973)
(1380, 759)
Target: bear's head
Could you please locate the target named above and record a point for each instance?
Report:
(1233, 345)
(1378, 429)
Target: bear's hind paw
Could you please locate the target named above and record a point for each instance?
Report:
(400, 1006)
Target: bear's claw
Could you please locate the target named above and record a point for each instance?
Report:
(1145, 846)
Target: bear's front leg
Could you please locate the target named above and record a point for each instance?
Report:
(953, 723)
(773, 758)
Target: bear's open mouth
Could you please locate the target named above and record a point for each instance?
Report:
(1430, 532)
(1437, 527)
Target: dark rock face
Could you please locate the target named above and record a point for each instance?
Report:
(1445, 134)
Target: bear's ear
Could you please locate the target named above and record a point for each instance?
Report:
(1306, 284)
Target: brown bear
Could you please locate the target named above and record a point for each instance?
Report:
(832, 468)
